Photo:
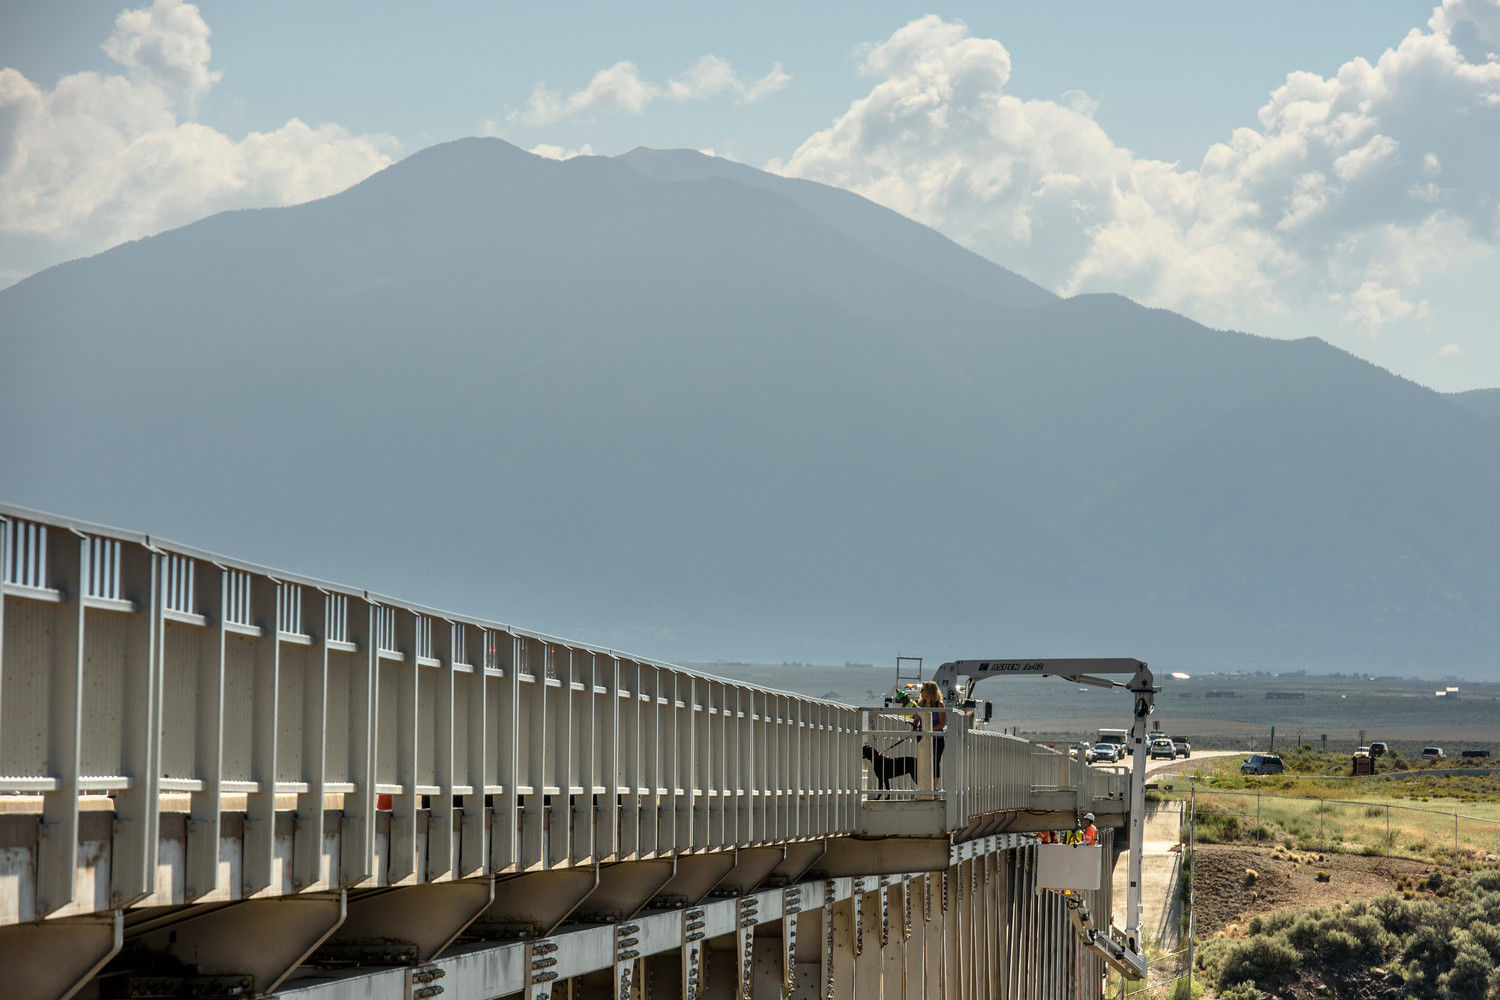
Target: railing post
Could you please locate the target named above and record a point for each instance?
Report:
(956, 735)
(57, 848)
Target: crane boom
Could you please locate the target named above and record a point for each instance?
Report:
(1123, 952)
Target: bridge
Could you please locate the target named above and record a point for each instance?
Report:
(221, 780)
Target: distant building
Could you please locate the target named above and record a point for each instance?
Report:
(1286, 695)
(1220, 694)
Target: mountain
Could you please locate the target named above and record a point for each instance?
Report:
(1485, 402)
(672, 404)
(878, 229)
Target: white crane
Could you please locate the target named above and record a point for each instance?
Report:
(1120, 947)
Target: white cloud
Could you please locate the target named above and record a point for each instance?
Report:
(103, 158)
(552, 152)
(1351, 190)
(166, 45)
(1449, 351)
(620, 90)
(616, 89)
(773, 81)
(1373, 306)
(709, 77)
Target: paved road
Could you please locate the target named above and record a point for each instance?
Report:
(1160, 859)
(1184, 764)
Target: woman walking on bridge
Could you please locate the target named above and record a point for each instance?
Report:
(931, 697)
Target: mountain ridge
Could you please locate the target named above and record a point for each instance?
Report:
(695, 418)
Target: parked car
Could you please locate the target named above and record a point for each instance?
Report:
(1184, 748)
(1262, 763)
(1379, 749)
(1475, 753)
(1362, 752)
(1105, 753)
(1163, 749)
(1433, 753)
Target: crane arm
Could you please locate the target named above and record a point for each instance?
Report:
(1072, 669)
(1121, 949)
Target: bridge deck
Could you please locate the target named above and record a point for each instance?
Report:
(177, 727)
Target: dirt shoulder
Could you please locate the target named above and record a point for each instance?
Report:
(1227, 895)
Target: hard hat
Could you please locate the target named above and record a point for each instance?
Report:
(1089, 817)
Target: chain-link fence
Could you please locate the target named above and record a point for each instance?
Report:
(1166, 979)
(1344, 826)
(1322, 824)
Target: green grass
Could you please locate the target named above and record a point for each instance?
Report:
(1316, 774)
(1309, 809)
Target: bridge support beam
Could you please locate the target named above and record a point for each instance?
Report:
(60, 956)
(892, 937)
(932, 936)
(533, 905)
(851, 856)
(867, 964)
(697, 875)
(800, 858)
(407, 925)
(239, 948)
(752, 866)
(625, 888)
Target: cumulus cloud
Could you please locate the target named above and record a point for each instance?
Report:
(1449, 351)
(1350, 190)
(103, 158)
(619, 89)
(552, 152)
(167, 45)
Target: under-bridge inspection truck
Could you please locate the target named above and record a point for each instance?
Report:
(1120, 947)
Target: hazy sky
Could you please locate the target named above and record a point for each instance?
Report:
(1291, 169)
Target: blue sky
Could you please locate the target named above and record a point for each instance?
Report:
(1357, 202)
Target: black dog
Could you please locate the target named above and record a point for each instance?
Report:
(886, 768)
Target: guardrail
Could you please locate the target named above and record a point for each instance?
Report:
(322, 736)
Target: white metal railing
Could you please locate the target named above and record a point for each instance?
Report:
(336, 614)
(199, 681)
(998, 769)
(424, 637)
(177, 584)
(102, 578)
(906, 752)
(385, 629)
(25, 562)
(289, 608)
(237, 597)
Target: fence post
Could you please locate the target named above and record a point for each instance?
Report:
(1388, 829)
(1257, 816)
(1455, 831)
(1192, 874)
(1320, 819)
